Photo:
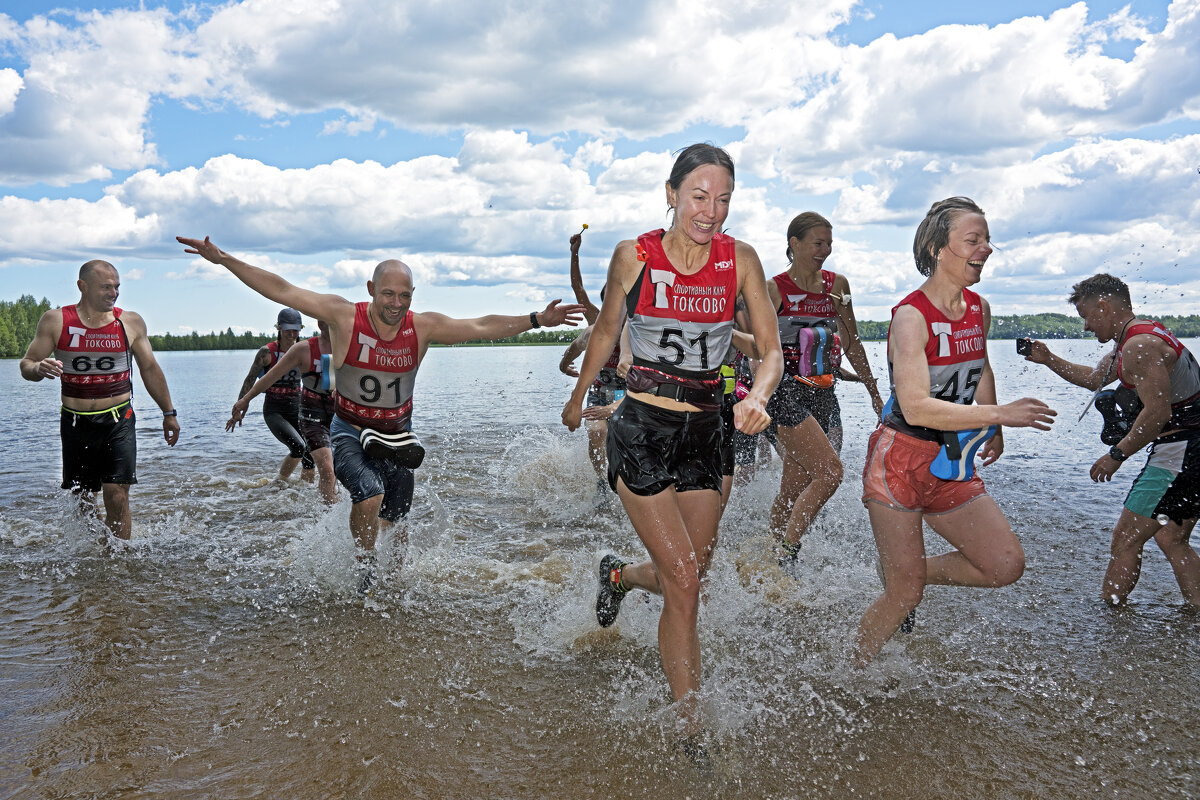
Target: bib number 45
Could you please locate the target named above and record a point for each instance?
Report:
(950, 390)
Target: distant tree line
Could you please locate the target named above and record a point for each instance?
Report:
(18, 324)
(531, 337)
(225, 340)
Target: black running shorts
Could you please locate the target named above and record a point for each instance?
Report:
(651, 448)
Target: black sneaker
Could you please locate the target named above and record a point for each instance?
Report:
(787, 552)
(608, 599)
(699, 754)
(366, 574)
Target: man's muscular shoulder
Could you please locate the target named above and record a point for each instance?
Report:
(52, 318)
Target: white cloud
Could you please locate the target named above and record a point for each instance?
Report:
(529, 294)
(981, 95)
(81, 107)
(545, 67)
(73, 228)
(11, 85)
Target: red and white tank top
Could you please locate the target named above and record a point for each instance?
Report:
(95, 360)
(808, 327)
(375, 383)
(956, 354)
(287, 387)
(1185, 375)
(682, 324)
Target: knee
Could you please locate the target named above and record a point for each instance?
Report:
(1126, 544)
(116, 495)
(681, 588)
(833, 473)
(1171, 539)
(1007, 566)
(367, 510)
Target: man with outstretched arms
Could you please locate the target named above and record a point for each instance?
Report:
(88, 347)
(1149, 361)
(377, 347)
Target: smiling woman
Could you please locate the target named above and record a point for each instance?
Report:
(920, 460)
(665, 439)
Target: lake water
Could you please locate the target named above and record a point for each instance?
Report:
(223, 652)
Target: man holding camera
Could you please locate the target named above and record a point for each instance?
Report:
(1148, 360)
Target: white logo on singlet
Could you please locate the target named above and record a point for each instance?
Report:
(76, 335)
(795, 300)
(942, 331)
(364, 353)
(661, 278)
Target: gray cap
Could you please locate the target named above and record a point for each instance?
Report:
(289, 320)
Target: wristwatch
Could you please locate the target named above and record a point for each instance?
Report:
(1115, 454)
(533, 320)
(171, 413)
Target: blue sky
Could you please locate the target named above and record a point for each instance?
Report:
(472, 140)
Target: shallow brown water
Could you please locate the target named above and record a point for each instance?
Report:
(225, 654)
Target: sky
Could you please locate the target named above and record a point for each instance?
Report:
(472, 138)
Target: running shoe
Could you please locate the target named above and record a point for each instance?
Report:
(608, 599)
(787, 552)
(366, 574)
(698, 753)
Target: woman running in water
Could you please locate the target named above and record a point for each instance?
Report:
(815, 321)
(920, 459)
(678, 290)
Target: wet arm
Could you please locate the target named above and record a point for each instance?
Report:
(295, 358)
(152, 375)
(1088, 377)
(760, 304)
(437, 328)
(42, 349)
(337, 311)
(565, 364)
(622, 271)
(256, 367)
(590, 311)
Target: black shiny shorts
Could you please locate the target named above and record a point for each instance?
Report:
(651, 448)
(99, 448)
(793, 402)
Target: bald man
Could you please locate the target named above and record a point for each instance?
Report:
(377, 348)
(88, 346)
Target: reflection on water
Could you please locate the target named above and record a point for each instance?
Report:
(222, 652)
